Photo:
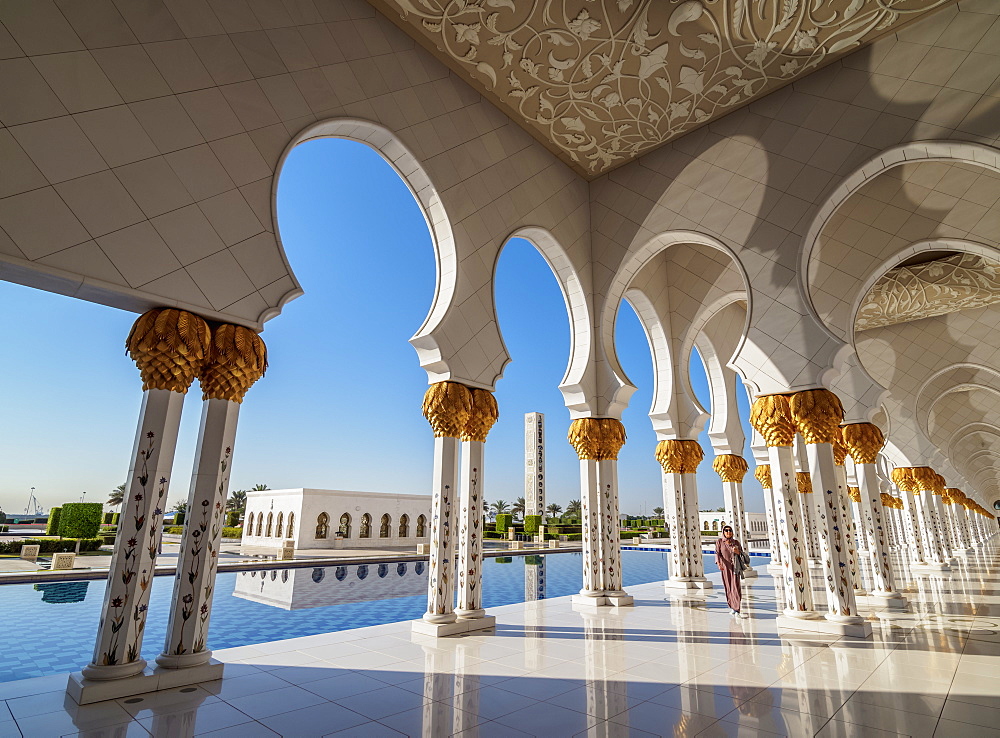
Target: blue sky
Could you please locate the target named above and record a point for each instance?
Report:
(340, 405)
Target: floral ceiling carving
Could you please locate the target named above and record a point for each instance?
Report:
(960, 282)
(603, 81)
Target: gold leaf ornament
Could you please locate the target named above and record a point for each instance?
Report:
(597, 439)
(447, 407)
(771, 417)
(730, 467)
(864, 441)
(237, 359)
(483, 416)
(763, 475)
(679, 456)
(169, 346)
(817, 415)
(804, 482)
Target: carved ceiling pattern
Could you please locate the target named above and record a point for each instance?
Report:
(960, 282)
(603, 81)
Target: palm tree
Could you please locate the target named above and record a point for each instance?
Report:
(574, 508)
(116, 496)
(553, 510)
(518, 508)
(259, 488)
(499, 507)
(237, 501)
(657, 511)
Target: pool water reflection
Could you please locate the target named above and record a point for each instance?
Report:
(54, 632)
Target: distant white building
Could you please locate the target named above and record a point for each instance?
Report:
(327, 518)
(713, 522)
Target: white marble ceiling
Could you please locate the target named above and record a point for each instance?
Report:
(600, 83)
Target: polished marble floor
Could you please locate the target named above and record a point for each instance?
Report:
(671, 666)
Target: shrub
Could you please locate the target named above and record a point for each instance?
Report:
(51, 545)
(504, 521)
(3, 517)
(108, 516)
(628, 535)
(179, 518)
(573, 536)
(115, 517)
(504, 559)
(52, 528)
(232, 519)
(533, 560)
(3, 528)
(531, 523)
(80, 519)
(109, 529)
(232, 532)
(174, 529)
(494, 535)
(109, 538)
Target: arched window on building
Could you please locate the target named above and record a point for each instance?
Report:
(260, 524)
(385, 526)
(280, 527)
(249, 524)
(270, 525)
(322, 526)
(707, 525)
(421, 526)
(291, 526)
(404, 526)
(366, 526)
(345, 525)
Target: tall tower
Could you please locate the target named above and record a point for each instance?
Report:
(534, 464)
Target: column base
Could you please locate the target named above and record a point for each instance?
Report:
(687, 583)
(775, 569)
(884, 601)
(822, 625)
(929, 568)
(605, 600)
(86, 691)
(461, 625)
(750, 573)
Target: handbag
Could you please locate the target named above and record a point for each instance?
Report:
(742, 562)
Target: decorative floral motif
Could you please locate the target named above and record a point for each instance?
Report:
(903, 294)
(609, 81)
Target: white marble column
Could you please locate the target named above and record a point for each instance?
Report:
(817, 415)
(849, 517)
(469, 569)
(597, 442)
(679, 459)
(169, 346)
(447, 407)
(910, 515)
(864, 441)
(238, 358)
(925, 480)
(771, 418)
(763, 475)
(731, 470)
(611, 551)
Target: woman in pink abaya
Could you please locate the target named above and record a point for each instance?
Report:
(728, 551)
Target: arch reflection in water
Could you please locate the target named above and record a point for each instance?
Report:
(300, 589)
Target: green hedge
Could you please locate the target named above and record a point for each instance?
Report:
(115, 517)
(505, 559)
(174, 529)
(531, 523)
(232, 532)
(493, 535)
(629, 534)
(3, 528)
(179, 518)
(52, 527)
(51, 545)
(80, 519)
(108, 516)
(504, 521)
(232, 519)
(109, 538)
